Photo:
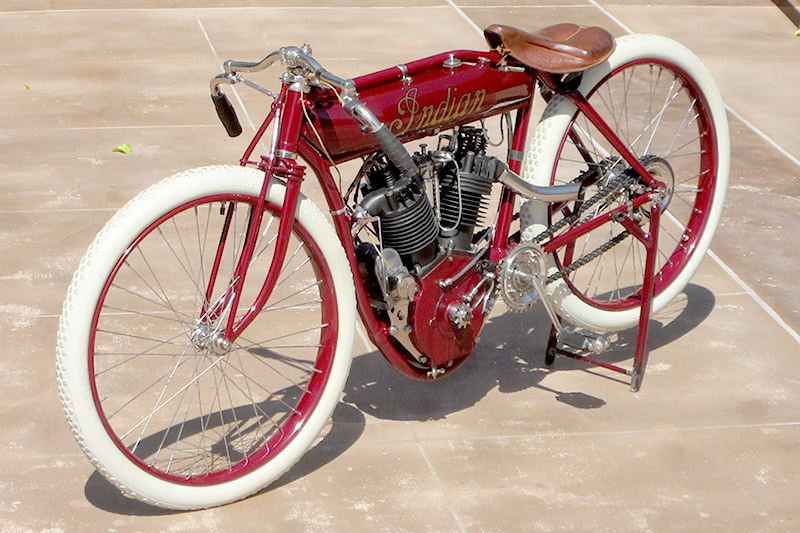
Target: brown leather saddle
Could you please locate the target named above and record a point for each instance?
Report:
(558, 49)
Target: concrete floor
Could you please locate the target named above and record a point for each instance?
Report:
(712, 441)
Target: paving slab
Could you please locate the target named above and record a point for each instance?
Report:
(711, 441)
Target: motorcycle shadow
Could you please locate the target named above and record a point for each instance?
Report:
(511, 358)
(344, 429)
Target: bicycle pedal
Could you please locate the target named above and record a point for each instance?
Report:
(585, 340)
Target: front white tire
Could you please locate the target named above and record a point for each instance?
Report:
(159, 408)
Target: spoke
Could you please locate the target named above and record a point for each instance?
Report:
(136, 355)
(237, 424)
(691, 141)
(159, 304)
(188, 266)
(256, 408)
(295, 293)
(306, 365)
(271, 393)
(267, 245)
(684, 124)
(163, 294)
(626, 92)
(293, 272)
(169, 429)
(160, 342)
(159, 405)
(263, 359)
(696, 176)
(623, 135)
(121, 311)
(137, 378)
(156, 382)
(699, 152)
(667, 102)
(589, 163)
(622, 269)
(249, 395)
(285, 335)
(303, 305)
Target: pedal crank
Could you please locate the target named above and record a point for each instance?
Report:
(585, 340)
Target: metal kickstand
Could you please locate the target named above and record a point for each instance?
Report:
(650, 242)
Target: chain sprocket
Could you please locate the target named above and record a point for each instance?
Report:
(516, 274)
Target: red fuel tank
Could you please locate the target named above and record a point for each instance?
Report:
(420, 99)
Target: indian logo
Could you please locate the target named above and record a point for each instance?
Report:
(415, 117)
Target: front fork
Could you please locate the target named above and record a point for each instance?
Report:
(279, 164)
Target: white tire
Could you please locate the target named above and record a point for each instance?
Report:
(224, 423)
(657, 95)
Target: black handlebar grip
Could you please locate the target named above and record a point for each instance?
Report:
(227, 114)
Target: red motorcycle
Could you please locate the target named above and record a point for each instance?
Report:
(207, 334)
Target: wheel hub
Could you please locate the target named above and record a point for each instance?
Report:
(662, 171)
(207, 339)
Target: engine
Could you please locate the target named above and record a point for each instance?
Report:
(426, 216)
(426, 228)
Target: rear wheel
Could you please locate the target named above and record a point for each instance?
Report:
(660, 100)
(162, 404)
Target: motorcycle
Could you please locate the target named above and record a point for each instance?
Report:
(207, 334)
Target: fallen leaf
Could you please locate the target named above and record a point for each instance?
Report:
(27, 88)
(123, 148)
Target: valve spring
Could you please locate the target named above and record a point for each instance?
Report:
(470, 139)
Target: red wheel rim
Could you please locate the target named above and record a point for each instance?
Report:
(291, 426)
(696, 223)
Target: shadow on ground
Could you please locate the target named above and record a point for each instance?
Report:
(509, 357)
(347, 425)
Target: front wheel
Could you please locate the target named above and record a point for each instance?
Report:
(165, 408)
(662, 103)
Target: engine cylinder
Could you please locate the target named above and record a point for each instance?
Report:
(411, 226)
(407, 221)
(465, 188)
(464, 203)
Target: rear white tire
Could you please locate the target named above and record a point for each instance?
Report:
(663, 103)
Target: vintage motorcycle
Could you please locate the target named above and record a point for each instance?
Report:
(207, 334)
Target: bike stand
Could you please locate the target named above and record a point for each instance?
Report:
(650, 242)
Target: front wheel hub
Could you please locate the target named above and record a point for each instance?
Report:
(207, 339)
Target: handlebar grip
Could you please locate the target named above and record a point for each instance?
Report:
(227, 114)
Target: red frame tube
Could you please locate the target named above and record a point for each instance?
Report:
(293, 173)
(595, 118)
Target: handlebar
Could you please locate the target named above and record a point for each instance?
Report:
(291, 56)
(299, 62)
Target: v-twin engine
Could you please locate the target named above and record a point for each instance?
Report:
(436, 211)
(426, 269)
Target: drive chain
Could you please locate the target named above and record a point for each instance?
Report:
(588, 257)
(609, 188)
